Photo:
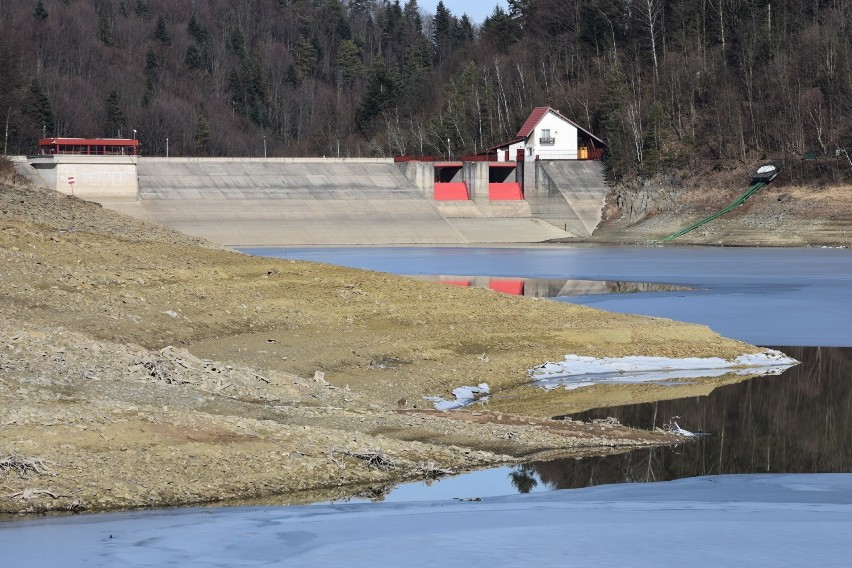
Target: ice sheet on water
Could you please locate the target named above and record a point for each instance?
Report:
(578, 371)
(735, 520)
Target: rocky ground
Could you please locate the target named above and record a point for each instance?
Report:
(143, 368)
(803, 206)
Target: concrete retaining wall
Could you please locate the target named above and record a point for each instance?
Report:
(569, 194)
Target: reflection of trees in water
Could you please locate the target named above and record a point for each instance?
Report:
(523, 478)
(799, 422)
(618, 287)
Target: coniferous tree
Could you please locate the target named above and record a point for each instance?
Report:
(114, 115)
(305, 56)
(193, 59)
(259, 111)
(411, 14)
(500, 29)
(237, 43)
(161, 33)
(442, 32)
(197, 31)
(383, 91)
(348, 61)
(463, 32)
(141, 10)
(612, 108)
(151, 69)
(105, 33)
(201, 138)
(292, 77)
(238, 92)
(39, 109)
(40, 12)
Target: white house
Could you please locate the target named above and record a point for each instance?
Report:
(548, 135)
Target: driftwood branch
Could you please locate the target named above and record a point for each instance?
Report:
(336, 461)
(29, 494)
(25, 466)
(374, 458)
(433, 470)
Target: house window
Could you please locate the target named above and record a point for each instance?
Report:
(546, 138)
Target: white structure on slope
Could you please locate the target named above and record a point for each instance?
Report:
(548, 135)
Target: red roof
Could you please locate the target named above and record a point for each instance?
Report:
(534, 118)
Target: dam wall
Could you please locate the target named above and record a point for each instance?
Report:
(310, 201)
(329, 201)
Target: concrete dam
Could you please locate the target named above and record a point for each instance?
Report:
(348, 201)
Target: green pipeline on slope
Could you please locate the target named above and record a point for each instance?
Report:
(757, 186)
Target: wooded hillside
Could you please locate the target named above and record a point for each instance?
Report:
(667, 83)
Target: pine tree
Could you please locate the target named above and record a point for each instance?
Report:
(161, 33)
(292, 77)
(238, 92)
(151, 69)
(383, 91)
(193, 60)
(305, 56)
(442, 30)
(40, 13)
(348, 61)
(411, 14)
(38, 108)
(259, 111)
(201, 138)
(417, 59)
(463, 32)
(115, 116)
(500, 28)
(141, 10)
(105, 29)
(197, 31)
(237, 44)
(611, 118)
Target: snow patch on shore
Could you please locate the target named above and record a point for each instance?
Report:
(577, 371)
(465, 396)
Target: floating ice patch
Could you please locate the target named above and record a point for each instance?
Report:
(464, 396)
(577, 371)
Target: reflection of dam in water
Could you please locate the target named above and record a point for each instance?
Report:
(551, 287)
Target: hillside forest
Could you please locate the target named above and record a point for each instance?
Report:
(668, 84)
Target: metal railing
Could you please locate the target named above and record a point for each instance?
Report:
(547, 141)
